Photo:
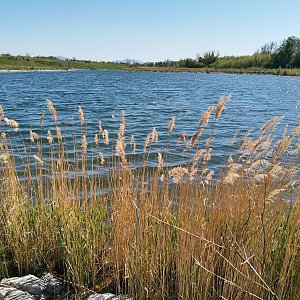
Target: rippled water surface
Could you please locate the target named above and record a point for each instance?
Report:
(149, 100)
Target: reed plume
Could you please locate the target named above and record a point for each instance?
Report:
(4, 157)
(132, 143)
(100, 127)
(11, 123)
(221, 104)
(171, 124)
(178, 173)
(96, 139)
(105, 137)
(160, 162)
(33, 136)
(84, 144)
(102, 160)
(52, 109)
(58, 133)
(49, 137)
(206, 116)
(147, 142)
(154, 135)
(42, 118)
(81, 115)
(38, 159)
(1, 113)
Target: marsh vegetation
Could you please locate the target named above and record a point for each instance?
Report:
(168, 232)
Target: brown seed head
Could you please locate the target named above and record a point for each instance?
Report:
(100, 126)
(147, 142)
(1, 113)
(132, 143)
(154, 135)
(230, 178)
(182, 137)
(38, 159)
(205, 117)
(4, 157)
(207, 156)
(160, 161)
(49, 137)
(195, 138)
(84, 144)
(52, 109)
(105, 136)
(220, 107)
(233, 139)
(33, 136)
(42, 118)
(296, 131)
(96, 139)
(81, 115)
(101, 158)
(58, 133)
(177, 173)
(198, 154)
(14, 124)
(171, 124)
(210, 175)
(11, 123)
(120, 147)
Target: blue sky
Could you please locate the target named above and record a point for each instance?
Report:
(149, 30)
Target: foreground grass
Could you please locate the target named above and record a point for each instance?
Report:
(168, 233)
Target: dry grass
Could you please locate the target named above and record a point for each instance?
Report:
(168, 233)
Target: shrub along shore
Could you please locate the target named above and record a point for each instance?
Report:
(163, 233)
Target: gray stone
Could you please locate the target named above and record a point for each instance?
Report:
(53, 285)
(10, 293)
(30, 283)
(107, 296)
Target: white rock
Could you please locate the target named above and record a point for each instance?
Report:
(107, 296)
(10, 293)
(30, 283)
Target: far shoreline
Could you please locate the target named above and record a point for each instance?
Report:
(256, 71)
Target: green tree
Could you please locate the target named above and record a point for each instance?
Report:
(269, 48)
(288, 54)
(208, 58)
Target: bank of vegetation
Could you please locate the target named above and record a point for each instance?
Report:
(153, 233)
(28, 63)
(272, 58)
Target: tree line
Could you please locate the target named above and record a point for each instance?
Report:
(285, 54)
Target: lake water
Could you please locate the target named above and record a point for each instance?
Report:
(149, 100)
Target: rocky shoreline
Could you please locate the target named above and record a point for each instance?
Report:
(47, 287)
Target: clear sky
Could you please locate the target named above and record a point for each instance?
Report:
(147, 30)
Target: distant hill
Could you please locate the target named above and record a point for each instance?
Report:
(19, 62)
(130, 61)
